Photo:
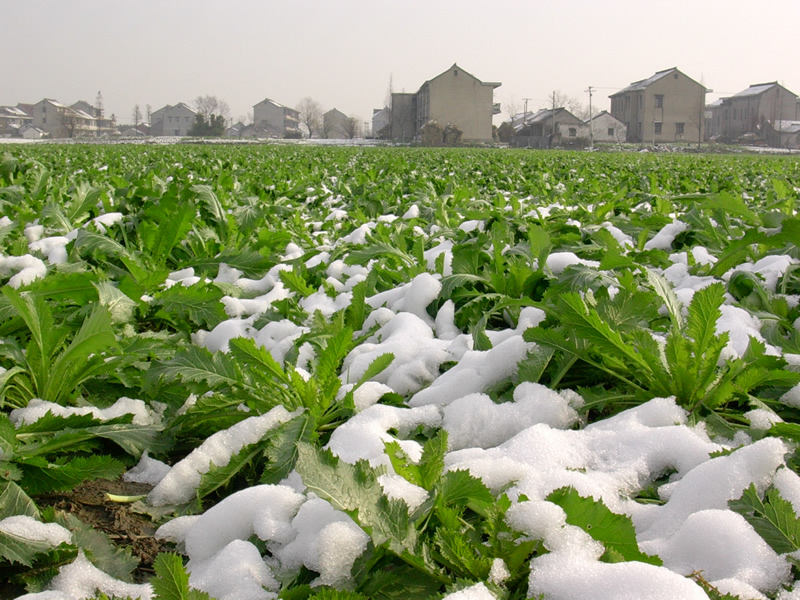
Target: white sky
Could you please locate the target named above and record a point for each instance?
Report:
(343, 52)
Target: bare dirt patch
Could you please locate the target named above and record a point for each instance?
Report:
(89, 503)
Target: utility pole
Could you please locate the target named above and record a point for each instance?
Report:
(591, 125)
(553, 118)
(525, 115)
(524, 118)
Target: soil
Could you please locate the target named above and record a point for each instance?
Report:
(89, 503)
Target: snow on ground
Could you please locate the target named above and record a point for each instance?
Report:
(527, 447)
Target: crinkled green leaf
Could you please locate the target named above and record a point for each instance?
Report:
(773, 518)
(614, 531)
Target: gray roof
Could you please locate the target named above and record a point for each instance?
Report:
(644, 83)
(787, 126)
(755, 89)
(541, 116)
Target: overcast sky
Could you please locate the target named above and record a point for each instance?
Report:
(344, 52)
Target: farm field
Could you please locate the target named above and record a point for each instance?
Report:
(295, 372)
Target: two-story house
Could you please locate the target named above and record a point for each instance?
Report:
(750, 110)
(11, 119)
(275, 120)
(666, 107)
(172, 120)
(337, 126)
(454, 97)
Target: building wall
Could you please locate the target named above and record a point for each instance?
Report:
(404, 111)
(47, 117)
(178, 120)
(749, 114)
(680, 110)
(334, 125)
(380, 119)
(269, 116)
(601, 125)
(459, 98)
(157, 121)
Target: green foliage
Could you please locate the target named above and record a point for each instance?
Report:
(612, 335)
(172, 581)
(214, 127)
(614, 531)
(53, 368)
(103, 324)
(771, 516)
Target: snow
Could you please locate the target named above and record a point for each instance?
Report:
(474, 592)
(27, 268)
(37, 408)
(147, 470)
(527, 446)
(664, 238)
(81, 579)
(29, 528)
(178, 486)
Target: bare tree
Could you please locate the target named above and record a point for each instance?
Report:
(310, 115)
(512, 107)
(149, 112)
(352, 127)
(571, 103)
(207, 106)
(136, 115)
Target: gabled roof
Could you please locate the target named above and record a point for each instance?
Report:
(645, 83)
(13, 111)
(335, 111)
(55, 103)
(604, 113)
(543, 115)
(270, 101)
(455, 66)
(756, 89)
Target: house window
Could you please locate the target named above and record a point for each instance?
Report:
(455, 72)
(734, 114)
(610, 132)
(679, 128)
(659, 100)
(657, 128)
(573, 132)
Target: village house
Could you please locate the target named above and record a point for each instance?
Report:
(11, 119)
(381, 122)
(750, 110)
(454, 97)
(337, 126)
(274, 120)
(546, 128)
(31, 132)
(172, 120)
(79, 120)
(783, 134)
(666, 107)
(604, 128)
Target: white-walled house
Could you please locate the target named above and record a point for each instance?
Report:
(172, 120)
(604, 127)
